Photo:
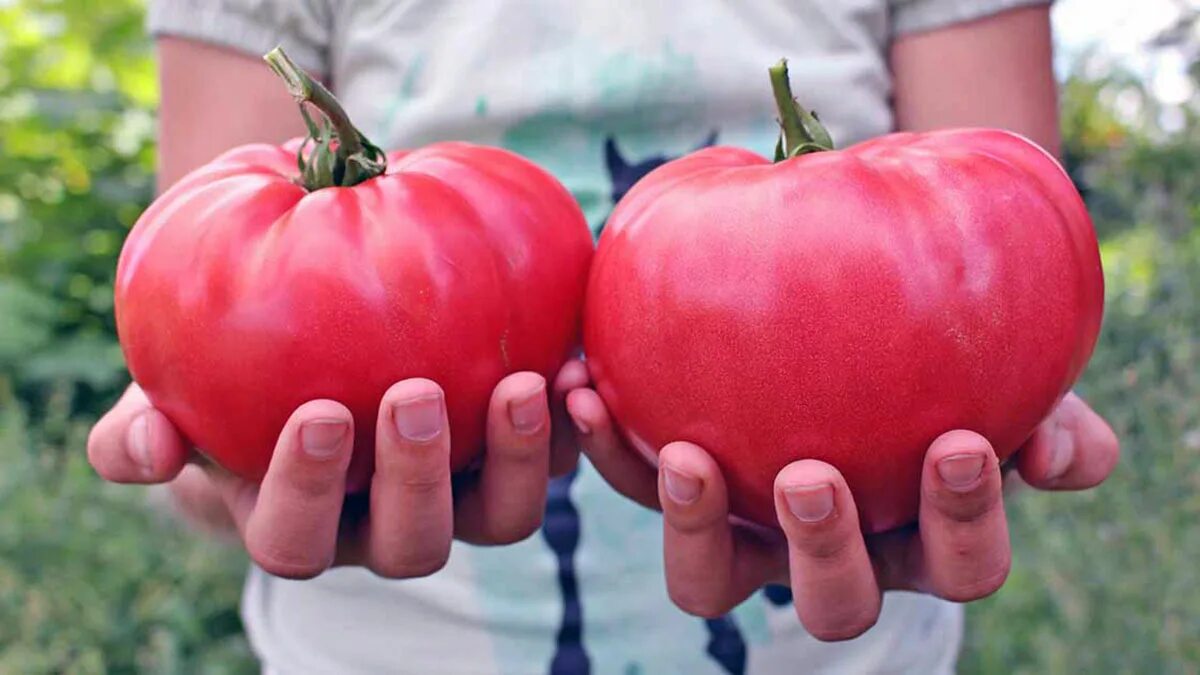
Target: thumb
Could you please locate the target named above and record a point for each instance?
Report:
(134, 443)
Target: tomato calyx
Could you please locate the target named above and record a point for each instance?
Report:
(341, 155)
(800, 132)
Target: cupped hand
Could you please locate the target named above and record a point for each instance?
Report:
(959, 549)
(298, 521)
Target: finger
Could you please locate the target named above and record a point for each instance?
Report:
(195, 495)
(134, 443)
(1074, 449)
(506, 505)
(709, 570)
(624, 470)
(411, 518)
(290, 523)
(564, 446)
(833, 584)
(964, 534)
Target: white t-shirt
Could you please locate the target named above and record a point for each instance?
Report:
(599, 92)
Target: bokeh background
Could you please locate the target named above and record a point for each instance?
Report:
(92, 580)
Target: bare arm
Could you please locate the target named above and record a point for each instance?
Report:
(214, 99)
(995, 72)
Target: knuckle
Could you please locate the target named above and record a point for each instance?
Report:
(824, 542)
(533, 451)
(425, 484)
(966, 508)
(283, 564)
(423, 475)
(694, 519)
(846, 628)
(503, 532)
(977, 588)
(412, 566)
(697, 602)
(692, 526)
(312, 485)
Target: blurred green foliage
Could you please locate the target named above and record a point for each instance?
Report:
(91, 580)
(77, 89)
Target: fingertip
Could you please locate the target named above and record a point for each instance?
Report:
(808, 493)
(519, 385)
(164, 453)
(320, 409)
(1101, 442)
(691, 488)
(958, 441)
(519, 402)
(587, 410)
(134, 443)
(1074, 449)
(688, 458)
(572, 375)
(960, 461)
(1036, 459)
(412, 388)
(318, 431)
(807, 472)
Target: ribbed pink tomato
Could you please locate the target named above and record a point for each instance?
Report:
(242, 292)
(848, 306)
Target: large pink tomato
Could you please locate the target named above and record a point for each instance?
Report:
(848, 306)
(243, 292)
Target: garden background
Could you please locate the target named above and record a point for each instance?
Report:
(92, 581)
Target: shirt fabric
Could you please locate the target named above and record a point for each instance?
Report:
(599, 92)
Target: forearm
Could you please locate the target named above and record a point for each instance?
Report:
(214, 99)
(995, 72)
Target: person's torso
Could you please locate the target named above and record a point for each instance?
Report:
(599, 93)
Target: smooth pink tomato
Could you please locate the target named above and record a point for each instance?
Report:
(848, 306)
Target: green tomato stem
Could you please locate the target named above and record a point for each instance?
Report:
(342, 156)
(800, 130)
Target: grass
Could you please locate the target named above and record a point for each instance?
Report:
(92, 581)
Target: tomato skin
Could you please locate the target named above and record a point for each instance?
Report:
(848, 306)
(240, 295)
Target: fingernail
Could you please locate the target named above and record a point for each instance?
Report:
(528, 413)
(681, 488)
(1061, 453)
(810, 503)
(419, 419)
(322, 438)
(138, 439)
(960, 472)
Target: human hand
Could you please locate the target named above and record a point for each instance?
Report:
(959, 550)
(298, 522)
